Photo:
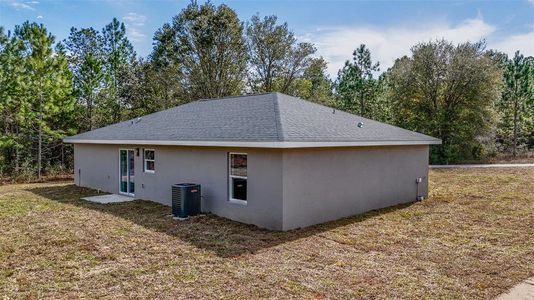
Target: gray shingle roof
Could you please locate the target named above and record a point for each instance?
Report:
(270, 119)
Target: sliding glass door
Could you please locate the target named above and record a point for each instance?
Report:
(126, 172)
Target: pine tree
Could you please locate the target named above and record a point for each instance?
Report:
(356, 88)
(86, 61)
(516, 107)
(9, 72)
(46, 90)
(120, 56)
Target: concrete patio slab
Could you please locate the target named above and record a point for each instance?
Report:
(522, 291)
(111, 198)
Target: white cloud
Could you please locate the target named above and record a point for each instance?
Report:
(134, 19)
(386, 44)
(39, 17)
(22, 5)
(523, 42)
(134, 22)
(135, 35)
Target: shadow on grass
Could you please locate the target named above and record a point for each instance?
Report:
(221, 236)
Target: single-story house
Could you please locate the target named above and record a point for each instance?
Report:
(272, 160)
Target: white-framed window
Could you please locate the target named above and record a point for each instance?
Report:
(149, 160)
(237, 177)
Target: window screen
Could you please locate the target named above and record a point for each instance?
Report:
(238, 177)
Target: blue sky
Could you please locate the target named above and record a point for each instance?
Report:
(389, 28)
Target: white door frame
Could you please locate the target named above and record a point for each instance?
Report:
(127, 172)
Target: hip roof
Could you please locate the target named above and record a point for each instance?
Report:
(271, 120)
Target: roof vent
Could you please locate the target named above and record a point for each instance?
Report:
(360, 124)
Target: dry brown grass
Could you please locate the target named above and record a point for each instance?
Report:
(474, 238)
(33, 179)
(522, 158)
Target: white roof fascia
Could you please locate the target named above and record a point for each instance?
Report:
(252, 144)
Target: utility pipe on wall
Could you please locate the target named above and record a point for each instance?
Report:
(418, 180)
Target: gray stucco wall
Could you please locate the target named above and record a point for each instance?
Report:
(330, 183)
(99, 168)
(286, 188)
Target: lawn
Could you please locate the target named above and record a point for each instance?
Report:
(473, 238)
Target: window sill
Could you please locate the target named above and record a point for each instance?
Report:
(237, 201)
(150, 172)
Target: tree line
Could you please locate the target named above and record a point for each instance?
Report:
(479, 102)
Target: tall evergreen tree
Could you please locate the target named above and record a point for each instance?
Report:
(321, 85)
(46, 91)
(86, 60)
(119, 56)
(381, 107)
(530, 104)
(356, 88)
(516, 107)
(9, 70)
